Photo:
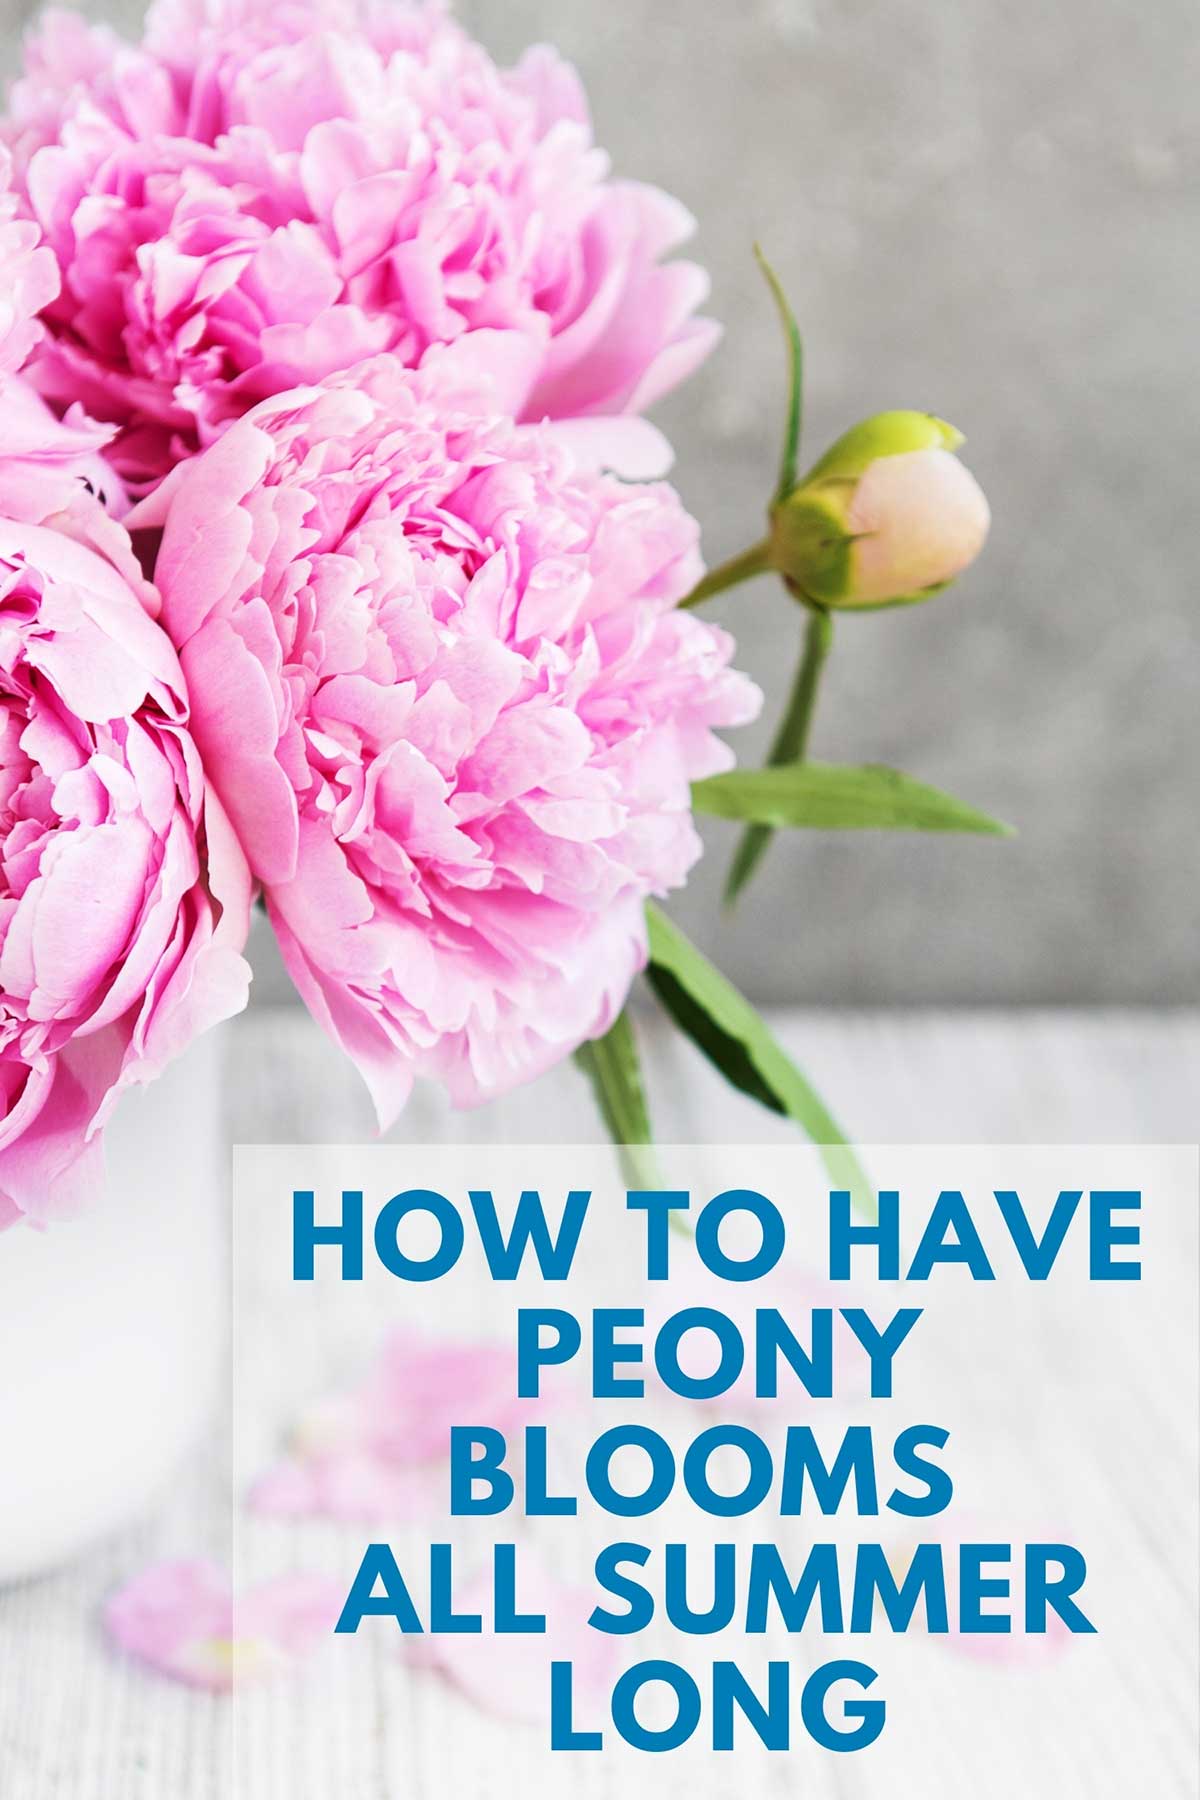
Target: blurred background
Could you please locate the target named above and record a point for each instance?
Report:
(991, 211)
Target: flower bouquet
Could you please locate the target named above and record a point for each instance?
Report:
(338, 570)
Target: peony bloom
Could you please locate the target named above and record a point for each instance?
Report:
(182, 1619)
(115, 947)
(441, 684)
(887, 517)
(263, 193)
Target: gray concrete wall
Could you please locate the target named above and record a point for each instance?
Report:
(988, 208)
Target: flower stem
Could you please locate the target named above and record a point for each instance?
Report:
(612, 1065)
(791, 740)
(728, 574)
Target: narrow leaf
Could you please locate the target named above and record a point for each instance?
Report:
(612, 1065)
(837, 797)
(789, 459)
(738, 1042)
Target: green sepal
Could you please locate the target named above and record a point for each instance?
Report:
(788, 460)
(809, 543)
(885, 434)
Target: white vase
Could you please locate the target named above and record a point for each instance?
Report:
(112, 1326)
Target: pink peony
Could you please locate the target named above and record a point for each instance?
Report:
(115, 948)
(441, 685)
(263, 193)
(182, 1619)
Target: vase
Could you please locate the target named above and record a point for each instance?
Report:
(112, 1326)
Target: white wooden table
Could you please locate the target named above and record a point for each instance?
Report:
(77, 1723)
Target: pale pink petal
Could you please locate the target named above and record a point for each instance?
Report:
(181, 1619)
(918, 519)
(357, 1486)
(620, 445)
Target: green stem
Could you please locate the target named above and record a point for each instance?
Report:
(728, 574)
(790, 743)
(791, 740)
(611, 1065)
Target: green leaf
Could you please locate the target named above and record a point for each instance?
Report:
(737, 1040)
(837, 797)
(789, 459)
(612, 1065)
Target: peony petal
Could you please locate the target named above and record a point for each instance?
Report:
(625, 446)
(181, 1619)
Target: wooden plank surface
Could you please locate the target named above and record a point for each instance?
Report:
(77, 1723)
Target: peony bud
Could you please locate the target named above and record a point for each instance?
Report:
(887, 517)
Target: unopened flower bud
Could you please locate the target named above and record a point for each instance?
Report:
(887, 517)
